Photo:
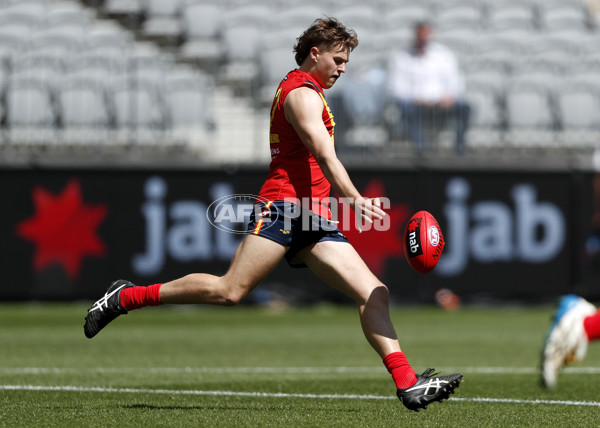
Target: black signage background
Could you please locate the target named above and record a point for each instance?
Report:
(122, 232)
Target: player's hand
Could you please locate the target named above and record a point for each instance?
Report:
(367, 210)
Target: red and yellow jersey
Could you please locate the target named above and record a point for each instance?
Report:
(294, 172)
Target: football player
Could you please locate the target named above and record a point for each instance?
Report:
(303, 169)
(576, 323)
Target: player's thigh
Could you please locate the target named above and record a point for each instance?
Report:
(338, 264)
(253, 260)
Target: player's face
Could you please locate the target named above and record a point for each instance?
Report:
(330, 64)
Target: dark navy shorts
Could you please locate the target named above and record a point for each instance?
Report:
(292, 226)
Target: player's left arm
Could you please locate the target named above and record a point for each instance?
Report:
(303, 108)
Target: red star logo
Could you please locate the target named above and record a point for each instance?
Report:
(377, 246)
(413, 224)
(63, 229)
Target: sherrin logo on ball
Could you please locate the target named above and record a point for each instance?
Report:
(423, 242)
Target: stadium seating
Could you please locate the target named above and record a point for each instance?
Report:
(40, 67)
(247, 48)
(585, 73)
(538, 72)
(67, 76)
(31, 115)
(513, 15)
(29, 103)
(187, 93)
(487, 116)
(578, 110)
(464, 41)
(530, 115)
(82, 103)
(66, 13)
(241, 42)
(200, 28)
(405, 14)
(136, 105)
(242, 35)
(139, 116)
(461, 15)
(561, 16)
(274, 63)
(29, 12)
(106, 37)
(122, 7)
(360, 17)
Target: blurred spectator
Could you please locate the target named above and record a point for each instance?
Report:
(426, 84)
(593, 10)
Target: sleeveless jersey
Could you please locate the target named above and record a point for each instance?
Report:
(294, 173)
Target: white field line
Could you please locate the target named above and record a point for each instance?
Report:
(278, 370)
(279, 395)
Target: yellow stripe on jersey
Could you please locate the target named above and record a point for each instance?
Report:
(330, 115)
(274, 138)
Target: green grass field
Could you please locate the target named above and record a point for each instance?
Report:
(257, 367)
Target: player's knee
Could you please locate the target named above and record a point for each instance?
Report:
(379, 295)
(232, 299)
(235, 293)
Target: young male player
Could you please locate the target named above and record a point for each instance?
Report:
(304, 166)
(576, 323)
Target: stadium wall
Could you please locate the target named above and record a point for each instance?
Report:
(510, 235)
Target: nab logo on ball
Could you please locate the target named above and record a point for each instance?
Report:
(412, 241)
(423, 242)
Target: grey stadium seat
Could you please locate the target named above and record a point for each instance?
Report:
(274, 65)
(122, 7)
(560, 17)
(187, 99)
(513, 15)
(138, 111)
(406, 15)
(578, 108)
(530, 115)
(82, 103)
(30, 112)
(459, 16)
(135, 105)
(28, 12)
(487, 114)
(29, 103)
(201, 23)
(162, 19)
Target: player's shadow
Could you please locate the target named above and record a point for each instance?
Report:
(174, 407)
(245, 408)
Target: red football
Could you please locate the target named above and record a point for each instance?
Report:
(423, 242)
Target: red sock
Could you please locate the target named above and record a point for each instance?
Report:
(591, 325)
(138, 297)
(402, 373)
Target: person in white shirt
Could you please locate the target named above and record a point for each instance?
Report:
(426, 84)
